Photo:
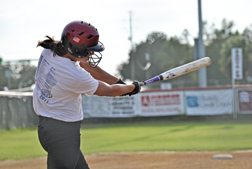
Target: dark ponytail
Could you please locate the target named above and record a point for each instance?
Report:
(55, 46)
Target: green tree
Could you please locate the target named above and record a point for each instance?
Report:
(22, 74)
(237, 42)
(219, 43)
(215, 38)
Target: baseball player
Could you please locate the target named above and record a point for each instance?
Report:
(67, 69)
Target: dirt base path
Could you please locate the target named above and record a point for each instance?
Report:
(151, 160)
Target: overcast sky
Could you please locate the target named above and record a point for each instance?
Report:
(23, 23)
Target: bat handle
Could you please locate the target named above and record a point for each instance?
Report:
(154, 79)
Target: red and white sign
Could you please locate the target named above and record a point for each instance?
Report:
(245, 101)
(161, 103)
(236, 63)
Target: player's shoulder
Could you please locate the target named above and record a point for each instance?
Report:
(47, 53)
(79, 71)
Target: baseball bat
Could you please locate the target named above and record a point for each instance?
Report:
(181, 70)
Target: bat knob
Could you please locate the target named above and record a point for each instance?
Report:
(142, 83)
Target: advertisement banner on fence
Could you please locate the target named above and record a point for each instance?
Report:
(97, 106)
(209, 102)
(245, 100)
(161, 103)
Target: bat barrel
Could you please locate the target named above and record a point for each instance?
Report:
(178, 71)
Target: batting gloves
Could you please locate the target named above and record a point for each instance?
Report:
(137, 88)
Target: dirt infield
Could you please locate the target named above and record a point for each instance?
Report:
(151, 160)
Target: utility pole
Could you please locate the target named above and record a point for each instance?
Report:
(132, 59)
(201, 50)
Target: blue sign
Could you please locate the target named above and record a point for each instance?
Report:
(192, 101)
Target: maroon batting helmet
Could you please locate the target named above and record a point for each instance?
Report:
(79, 38)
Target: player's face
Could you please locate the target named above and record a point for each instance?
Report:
(85, 59)
(90, 53)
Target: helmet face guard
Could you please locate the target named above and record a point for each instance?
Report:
(94, 59)
(80, 39)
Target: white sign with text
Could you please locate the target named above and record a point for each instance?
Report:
(209, 102)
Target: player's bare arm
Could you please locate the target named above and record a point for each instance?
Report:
(105, 89)
(99, 74)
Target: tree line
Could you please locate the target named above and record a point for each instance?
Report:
(16, 74)
(166, 53)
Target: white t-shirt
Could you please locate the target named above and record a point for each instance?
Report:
(59, 85)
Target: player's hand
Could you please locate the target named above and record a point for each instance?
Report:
(137, 88)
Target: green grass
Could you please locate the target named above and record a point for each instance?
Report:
(19, 144)
(139, 136)
(167, 136)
